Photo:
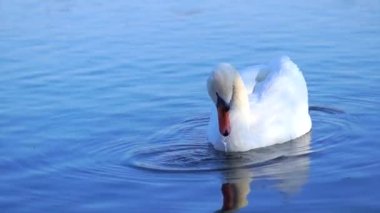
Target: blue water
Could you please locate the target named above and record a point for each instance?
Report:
(103, 106)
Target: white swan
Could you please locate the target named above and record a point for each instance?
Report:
(261, 106)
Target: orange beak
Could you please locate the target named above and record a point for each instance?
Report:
(224, 120)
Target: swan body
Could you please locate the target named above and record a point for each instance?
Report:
(260, 106)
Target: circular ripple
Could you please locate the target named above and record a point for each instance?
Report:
(183, 148)
(331, 126)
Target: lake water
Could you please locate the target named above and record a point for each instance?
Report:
(104, 108)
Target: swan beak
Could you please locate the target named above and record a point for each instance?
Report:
(224, 120)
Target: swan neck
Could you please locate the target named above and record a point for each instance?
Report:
(239, 96)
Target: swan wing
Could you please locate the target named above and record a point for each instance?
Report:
(282, 79)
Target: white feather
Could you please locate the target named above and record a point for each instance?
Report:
(269, 105)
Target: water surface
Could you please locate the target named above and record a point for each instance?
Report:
(104, 106)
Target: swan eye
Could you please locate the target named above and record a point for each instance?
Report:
(221, 103)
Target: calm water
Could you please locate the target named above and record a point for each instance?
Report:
(104, 107)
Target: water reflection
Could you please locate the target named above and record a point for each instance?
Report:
(286, 164)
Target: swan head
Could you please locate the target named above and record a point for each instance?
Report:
(220, 86)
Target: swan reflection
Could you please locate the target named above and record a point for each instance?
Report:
(287, 164)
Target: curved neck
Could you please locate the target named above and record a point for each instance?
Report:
(239, 95)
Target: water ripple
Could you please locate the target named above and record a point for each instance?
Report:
(183, 148)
